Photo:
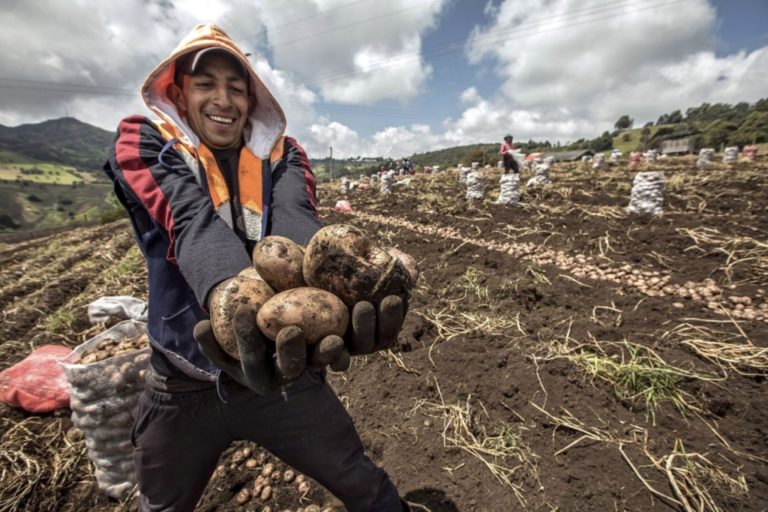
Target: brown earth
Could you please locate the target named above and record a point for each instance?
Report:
(488, 402)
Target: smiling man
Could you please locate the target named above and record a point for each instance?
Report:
(202, 184)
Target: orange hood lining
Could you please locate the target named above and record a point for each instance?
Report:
(266, 123)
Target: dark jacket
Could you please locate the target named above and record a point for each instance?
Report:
(182, 227)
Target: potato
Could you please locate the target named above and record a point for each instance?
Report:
(318, 313)
(278, 260)
(245, 289)
(342, 260)
(407, 260)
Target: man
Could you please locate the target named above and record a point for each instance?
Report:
(202, 185)
(506, 150)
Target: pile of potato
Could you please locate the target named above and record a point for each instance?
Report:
(105, 385)
(270, 483)
(109, 347)
(313, 288)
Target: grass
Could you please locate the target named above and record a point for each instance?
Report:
(634, 138)
(636, 373)
(472, 284)
(47, 173)
(61, 322)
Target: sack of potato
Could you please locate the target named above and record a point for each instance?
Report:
(313, 288)
(106, 375)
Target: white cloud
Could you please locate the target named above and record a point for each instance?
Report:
(470, 96)
(571, 68)
(355, 53)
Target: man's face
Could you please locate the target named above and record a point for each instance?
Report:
(215, 101)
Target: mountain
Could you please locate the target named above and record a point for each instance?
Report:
(64, 141)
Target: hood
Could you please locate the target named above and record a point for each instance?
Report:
(266, 123)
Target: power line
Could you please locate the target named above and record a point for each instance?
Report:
(359, 22)
(518, 32)
(521, 31)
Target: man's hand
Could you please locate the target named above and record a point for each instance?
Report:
(371, 329)
(261, 367)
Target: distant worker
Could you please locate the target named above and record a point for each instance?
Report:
(507, 148)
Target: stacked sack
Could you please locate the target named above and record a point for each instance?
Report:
(106, 375)
(510, 189)
(463, 171)
(345, 187)
(750, 152)
(731, 154)
(706, 157)
(615, 157)
(647, 194)
(599, 161)
(541, 177)
(387, 182)
(475, 186)
(650, 156)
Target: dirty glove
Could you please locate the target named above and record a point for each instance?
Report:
(371, 329)
(264, 366)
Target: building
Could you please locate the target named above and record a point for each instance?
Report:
(678, 143)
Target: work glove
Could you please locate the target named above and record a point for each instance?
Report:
(264, 366)
(371, 329)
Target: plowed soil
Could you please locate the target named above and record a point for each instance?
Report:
(516, 384)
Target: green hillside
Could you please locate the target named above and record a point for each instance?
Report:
(632, 139)
(64, 141)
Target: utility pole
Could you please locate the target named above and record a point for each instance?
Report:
(330, 163)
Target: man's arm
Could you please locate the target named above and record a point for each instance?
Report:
(206, 250)
(294, 208)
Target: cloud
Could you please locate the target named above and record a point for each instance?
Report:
(569, 68)
(357, 53)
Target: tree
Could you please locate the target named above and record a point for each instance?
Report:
(624, 123)
(752, 131)
(718, 133)
(645, 135)
(675, 117)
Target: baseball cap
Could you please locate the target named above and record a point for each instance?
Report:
(188, 64)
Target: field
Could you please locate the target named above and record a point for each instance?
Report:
(558, 355)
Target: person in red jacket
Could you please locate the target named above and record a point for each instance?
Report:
(202, 184)
(506, 150)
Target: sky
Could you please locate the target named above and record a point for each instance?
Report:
(373, 78)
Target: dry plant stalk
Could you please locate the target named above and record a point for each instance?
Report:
(463, 429)
(38, 464)
(739, 250)
(692, 475)
(718, 348)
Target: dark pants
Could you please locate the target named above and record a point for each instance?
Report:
(510, 164)
(178, 438)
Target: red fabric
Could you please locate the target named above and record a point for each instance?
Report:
(37, 383)
(343, 206)
(309, 178)
(139, 177)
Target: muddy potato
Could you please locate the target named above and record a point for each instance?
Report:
(407, 260)
(317, 312)
(343, 260)
(279, 260)
(245, 289)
